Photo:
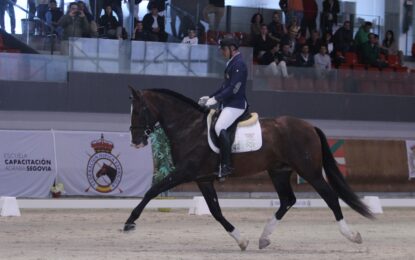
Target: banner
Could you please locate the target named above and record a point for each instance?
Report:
(27, 166)
(337, 149)
(95, 163)
(410, 151)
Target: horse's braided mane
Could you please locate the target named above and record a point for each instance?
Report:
(179, 96)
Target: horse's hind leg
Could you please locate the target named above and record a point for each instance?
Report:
(209, 193)
(281, 180)
(332, 200)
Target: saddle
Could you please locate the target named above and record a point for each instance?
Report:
(248, 137)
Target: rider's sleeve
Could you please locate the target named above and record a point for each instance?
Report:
(237, 76)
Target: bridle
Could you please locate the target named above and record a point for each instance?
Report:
(150, 122)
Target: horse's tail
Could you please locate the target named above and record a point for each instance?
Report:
(337, 180)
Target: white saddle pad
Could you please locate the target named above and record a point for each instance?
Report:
(248, 138)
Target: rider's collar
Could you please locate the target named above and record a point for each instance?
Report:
(229, 61)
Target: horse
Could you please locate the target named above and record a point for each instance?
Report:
(107, 170)
(289, 144)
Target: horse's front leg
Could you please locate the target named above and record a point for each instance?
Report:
(209, 193)
(167, 183)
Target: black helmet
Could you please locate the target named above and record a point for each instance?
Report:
(229, 42)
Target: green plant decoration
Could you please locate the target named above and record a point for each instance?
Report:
(163, 162)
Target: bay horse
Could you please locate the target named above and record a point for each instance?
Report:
(289, 144)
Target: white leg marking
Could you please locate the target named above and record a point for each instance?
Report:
(348, 233)
(264, 240)
(242, 242)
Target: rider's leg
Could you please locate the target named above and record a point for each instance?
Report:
(226, 118)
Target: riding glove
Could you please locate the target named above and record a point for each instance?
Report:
(202, 100)
(211, 101)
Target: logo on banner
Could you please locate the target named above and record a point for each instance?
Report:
(104, 170)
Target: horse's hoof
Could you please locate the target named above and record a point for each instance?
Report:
(129, 227)
(264, 242)
(357, 238)
(243, 244)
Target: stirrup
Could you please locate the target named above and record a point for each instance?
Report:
(225, 173)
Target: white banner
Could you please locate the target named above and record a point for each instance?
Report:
(27, 166)
(95, 163)
(410, 150)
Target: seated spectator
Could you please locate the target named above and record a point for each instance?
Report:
(256, 21)
(343, 39)
(74, 22)
(322, 62)
(52, 17)
(191, 38)
(371, 52)
(304, 59)
(276, 66)
(327, 41)
(294, 28)
(154, 25)
(139, 34)
(276, 29)
(286, 55)
(292, 38)
(314, 42)
(109, 26)
(262, 42)
(390, 46)
(93, 28)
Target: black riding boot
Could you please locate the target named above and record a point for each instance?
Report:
(225, 154)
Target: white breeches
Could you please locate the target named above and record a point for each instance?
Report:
(277, 70)
(227, 117)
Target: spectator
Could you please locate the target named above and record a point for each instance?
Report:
(343, 39)
(371, 52)
(304, 59)
(217, 8)
(52, 17)
(116, 7)
(329, 18)
(74, 22)
(32, 9)
(93, 28)
(9, 6)
(262, 43)
(276, 29)
(314, 42)
(295, 9)
(109, 26)
(41, 9)
(139, 34)
(256, 21)
(159, 4)
(136, 8)
(292, 38)
(390, 46)
(327, 41)
(362, 37)
(286, 55)
(322, 62)
(272, 58)
(191, 38)
(310, 16)
(154, 25)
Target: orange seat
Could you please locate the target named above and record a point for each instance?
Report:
(393, 61)
(351, 58)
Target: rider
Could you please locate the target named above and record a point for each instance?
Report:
(232, 100)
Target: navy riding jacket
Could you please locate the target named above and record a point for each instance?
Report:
(232, 91)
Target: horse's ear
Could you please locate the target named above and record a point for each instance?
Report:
(135, 94)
